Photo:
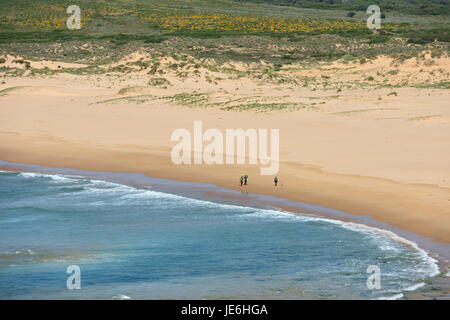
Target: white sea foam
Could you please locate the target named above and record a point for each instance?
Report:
(394, 297)
(378, 235)
(121, 297)
(128, 192)
(433, 269)
(276, 215)
(415, 286)
(54, 177)
(19, 252)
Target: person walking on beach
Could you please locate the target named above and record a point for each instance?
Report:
(241, 179)
(245, 179)
(276, 181)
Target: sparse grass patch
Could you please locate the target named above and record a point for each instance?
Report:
(158, 82)
(189, 99)
(130, 90)
(424, 118)
(5, 92)
(261, 107)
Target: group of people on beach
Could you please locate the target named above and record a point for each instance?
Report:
(243, 180)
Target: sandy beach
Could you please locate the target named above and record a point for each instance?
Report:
(128, 128)
(365, 151)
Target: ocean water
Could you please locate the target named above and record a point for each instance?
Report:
(142, 244)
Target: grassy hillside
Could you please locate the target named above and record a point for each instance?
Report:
(222, 29)
(417, 7)
(217, 17)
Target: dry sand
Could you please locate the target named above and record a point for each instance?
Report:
(364, 151)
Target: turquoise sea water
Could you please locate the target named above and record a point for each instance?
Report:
(143, 244)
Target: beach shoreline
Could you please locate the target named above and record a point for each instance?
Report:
(418, 208)
(437, 286)
(366, 150)
(391, 163)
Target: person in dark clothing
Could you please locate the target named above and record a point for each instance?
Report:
(245, 179)
(276, 181)
(241, 179)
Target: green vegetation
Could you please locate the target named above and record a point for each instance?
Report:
(262, 107)
(347, 113)
(4, 92)
(424, 118)
(306, 32)
(151, 21)
(158, 82)
(423, 7)
(67, 35)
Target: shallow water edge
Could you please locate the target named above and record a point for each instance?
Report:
(436, 287)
